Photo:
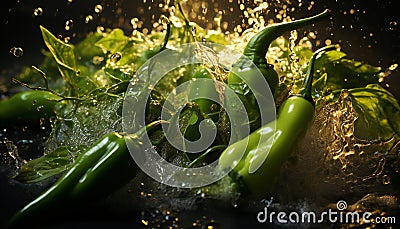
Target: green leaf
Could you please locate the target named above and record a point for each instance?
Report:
(114, 41)
(63, 54)
(345, 73)
(193, 119)
(48, 165)
(85, 50)
(319, 85)
(378, 112)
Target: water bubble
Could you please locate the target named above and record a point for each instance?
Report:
(39, 108)
(69, 24)
(38, 12)
(213, 106)
(386, 179)
(17, 51)
(164, 20)
(88, 18)
(100, 29)
(98, 9)
(134, 22)
(116, 57)
(393, 67)
(393, 25)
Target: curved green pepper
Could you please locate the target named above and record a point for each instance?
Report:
(267, 149)
(105, 166)
(257, 48)
(28, 105)
(207, 107)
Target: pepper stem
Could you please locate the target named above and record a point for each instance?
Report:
(258, 45)
(305, 90)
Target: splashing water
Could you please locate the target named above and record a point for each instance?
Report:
(332, 162)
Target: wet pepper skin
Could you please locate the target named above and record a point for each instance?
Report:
(27, 106)
(104, 167)
(266, 149)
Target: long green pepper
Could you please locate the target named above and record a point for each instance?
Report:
(97, 172)
(257, 48)
(267, 149)
(28, 106)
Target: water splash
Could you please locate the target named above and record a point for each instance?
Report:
(17, 51)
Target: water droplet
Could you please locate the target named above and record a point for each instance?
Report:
(17, 51)
(213, 106)
(39, 108)
(94, 102)
(97, 59)
(393, 25)
(38, 12)
(98, 9)
(386, 179)
(164, 20)
(194, 30)
(393, 67)
(100, 29)
(88, 18)
(69, 24)
(115, 57)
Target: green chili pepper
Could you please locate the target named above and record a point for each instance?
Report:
(114, 169)
(257, 48)
(98, 171)
(28, 105)
(267, 149)
(207, 107)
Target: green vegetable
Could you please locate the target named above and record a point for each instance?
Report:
(266, 150)
(203, 91)
(377, 109)
(257, 48)
(48, 165)
(28, 106)
(255, 51)
(104, 166)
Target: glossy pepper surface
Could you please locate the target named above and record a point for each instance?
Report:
(268, 147)
(105, 166)
(28, 106)
(257, 48)
(203, 90)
